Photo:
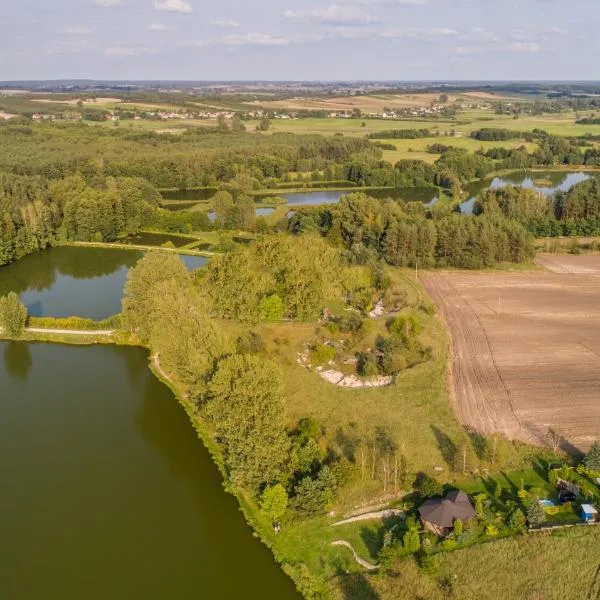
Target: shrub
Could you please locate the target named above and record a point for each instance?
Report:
(251, 343)
(321, 354)
(458, 527)
(367, 364)
(428, 563)
(516, 520)
(491, 530)
(411, 541)
(535, 514)
(271, 308)
(449, 544)
(427, 486)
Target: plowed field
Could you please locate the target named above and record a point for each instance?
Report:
(526, 349)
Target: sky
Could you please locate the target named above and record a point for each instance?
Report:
(300, 39)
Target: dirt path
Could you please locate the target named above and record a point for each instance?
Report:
(479, 394)
(357, 558)
(71, 331)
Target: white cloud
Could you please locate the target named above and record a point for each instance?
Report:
(109, 3)
(70, 47)
(467, 50)
(387, 2)
(173, 6)
(76, 30)
(249, 39)
(158, 27)
(479, 34)
(524, 47)
(419, 33)
(224, 23)
(122, 51)
(332, 15)
(254, 39)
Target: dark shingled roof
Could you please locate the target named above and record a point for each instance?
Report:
(444, 511)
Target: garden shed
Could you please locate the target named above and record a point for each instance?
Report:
(589, 513)
(439, 514)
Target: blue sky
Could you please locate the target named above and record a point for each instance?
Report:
(299, 39)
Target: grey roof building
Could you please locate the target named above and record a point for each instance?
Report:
(440, 513)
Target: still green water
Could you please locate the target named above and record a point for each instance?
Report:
(107, 493)
(75, 281)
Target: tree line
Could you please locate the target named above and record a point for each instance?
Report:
(571, 213)
(413, 234)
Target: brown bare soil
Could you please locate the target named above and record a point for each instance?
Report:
(526, 349)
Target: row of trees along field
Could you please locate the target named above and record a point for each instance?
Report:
(571, 213)
(411, 234)
(236, 387)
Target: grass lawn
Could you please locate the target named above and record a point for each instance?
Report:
(541, 566)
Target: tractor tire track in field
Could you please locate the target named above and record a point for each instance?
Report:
(594, 591)
(479, 392)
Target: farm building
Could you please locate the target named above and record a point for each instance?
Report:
(589, 513)
(439, 514)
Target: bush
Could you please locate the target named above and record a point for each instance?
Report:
(535, 514)
(251, 343)
(367, 364)
(491, 530)
(271, 308)
(427, 486)
(449, 544)
(516, 520)
(321, 354)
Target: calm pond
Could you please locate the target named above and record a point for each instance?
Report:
(554, 181)
(74, 281)
(107, 493)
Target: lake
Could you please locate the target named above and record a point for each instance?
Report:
(107, 493)
(556, 181)
(74, 281)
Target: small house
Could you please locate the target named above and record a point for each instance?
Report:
(589, 513)
(439, 514)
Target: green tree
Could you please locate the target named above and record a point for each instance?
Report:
(535, 514)
(274, 501)
(245, 404)
(271, 308)
(592, 458)
(13, 315)
(236, 124)
(458, 527)
(411, 541)
(480, 504)
(265, 124)
(516, 520)
(153, 276)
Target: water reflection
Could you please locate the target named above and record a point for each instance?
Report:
(17, 360)
(68, 281)
(546, 183)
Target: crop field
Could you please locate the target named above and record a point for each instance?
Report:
(526, 349)
(376, 102)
